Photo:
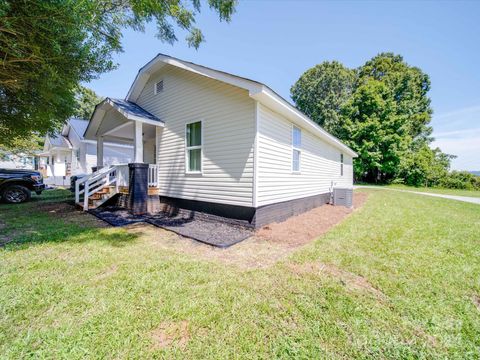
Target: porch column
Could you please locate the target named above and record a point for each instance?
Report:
(138, 143)
(99, 152)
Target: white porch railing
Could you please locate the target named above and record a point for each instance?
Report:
(152, 175)
(116, 174)
(94, 183)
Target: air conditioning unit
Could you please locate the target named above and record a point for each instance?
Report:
(343, 196)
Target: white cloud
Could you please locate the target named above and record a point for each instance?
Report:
(466, 149)
(458, 133)
(475, 110)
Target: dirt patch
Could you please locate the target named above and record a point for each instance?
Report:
(476, 301)
(170, 334)
(349, 280)
(67, 212)
(5, 239)
(301, 229)
(431, 340)
(57, 208)
(106, 273)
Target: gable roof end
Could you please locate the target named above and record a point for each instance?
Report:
(257, 91)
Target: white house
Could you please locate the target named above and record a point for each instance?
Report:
(68, 153)
(222, 144)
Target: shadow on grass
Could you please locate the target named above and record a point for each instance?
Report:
(52, 218)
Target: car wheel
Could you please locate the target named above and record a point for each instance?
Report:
(16, 194)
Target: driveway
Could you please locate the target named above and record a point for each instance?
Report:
(469, 199)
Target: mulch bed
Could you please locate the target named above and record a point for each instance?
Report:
(208, 231)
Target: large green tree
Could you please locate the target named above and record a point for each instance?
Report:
(409, 88)
(322, 91)
(48, 47)
(371, 128)
(381, 110)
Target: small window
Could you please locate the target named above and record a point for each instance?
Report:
(296, 148)
(193, 143)
(158, 87)
(341, 164)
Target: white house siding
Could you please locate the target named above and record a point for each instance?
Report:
(227, 114)
(320, 162)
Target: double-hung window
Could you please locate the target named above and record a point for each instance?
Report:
(296, 148)
(193, 141)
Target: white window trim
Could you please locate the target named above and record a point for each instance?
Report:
(299, 171)
(188, 172)
(155, 92)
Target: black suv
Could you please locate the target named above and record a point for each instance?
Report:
(16, 185)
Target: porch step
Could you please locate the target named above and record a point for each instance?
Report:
(97, 196)
(153, 191)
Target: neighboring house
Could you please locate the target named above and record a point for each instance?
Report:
(10, 160)
(68, 153)
(223, 144)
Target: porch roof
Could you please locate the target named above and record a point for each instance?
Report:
(131, 110)
(59, 141)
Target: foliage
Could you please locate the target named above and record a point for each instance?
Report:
(73, 290)
(408, 87)
(48, 47)
(460, 180)
(424, 166)
(371, 128)
(321, 92)
(382, 111)
(27, 146)
(86, 100)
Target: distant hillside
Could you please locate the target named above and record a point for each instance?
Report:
(475, 172)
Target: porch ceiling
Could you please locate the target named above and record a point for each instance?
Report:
(126, 132)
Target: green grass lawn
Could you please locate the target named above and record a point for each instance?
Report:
(457, 192)
(402, 282)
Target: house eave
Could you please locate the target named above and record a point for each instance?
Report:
(276, 103)
(257, 91)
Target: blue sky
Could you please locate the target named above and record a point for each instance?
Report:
(276, 41)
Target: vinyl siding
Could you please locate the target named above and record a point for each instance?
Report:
(228, 126)
(319, 164)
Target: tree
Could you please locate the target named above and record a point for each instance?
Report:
(47, 48)
(409, 87)
(27, 146)
(424, 166)
(86, 100)
(371, 128)
(381, 110)
(322, 91)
